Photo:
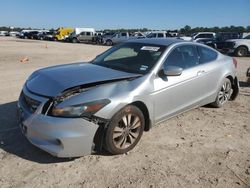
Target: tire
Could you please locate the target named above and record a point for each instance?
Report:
(74, 40)
(241, 51)
(224, 94)
(125, 130)
(109, 43)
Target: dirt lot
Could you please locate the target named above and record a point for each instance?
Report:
(204, 147)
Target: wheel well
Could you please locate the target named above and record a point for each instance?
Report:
(243, 46)
(109, 40)
(235, 87)
(145, 112)
(231, 79)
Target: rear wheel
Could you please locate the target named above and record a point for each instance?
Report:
(125, 130)
(224, 94)
(241, 51)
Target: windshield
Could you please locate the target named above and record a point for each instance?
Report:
(151, 35)
(136, 58)
(247, 37)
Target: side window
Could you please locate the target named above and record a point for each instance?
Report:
(206, 54)
(160, 35)
(199, 36)
(124, 34)
(184, 56)
(82, 33)
(88, 33)
(210, 36)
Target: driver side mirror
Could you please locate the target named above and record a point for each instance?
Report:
(172, 70)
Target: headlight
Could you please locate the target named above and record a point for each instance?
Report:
(80, 110)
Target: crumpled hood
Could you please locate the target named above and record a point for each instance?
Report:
(54, 80)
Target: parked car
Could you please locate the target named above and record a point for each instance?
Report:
(47, 36)
(14, 33)
(117, 38)
(83, 37)
(28, 34)
(121, 37)
(77, 31)
(219, 42)
(240, 47)
(158, 34)
(4, 33)
(31, 35)
(106, 36)
(198, 36)
(70, 110)
(41, 35)
(203, 35)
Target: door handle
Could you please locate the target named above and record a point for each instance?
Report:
(200, 72)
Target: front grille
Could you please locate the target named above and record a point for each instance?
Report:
(225, 45)
(30, 103)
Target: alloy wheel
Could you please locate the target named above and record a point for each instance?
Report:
(225, 92)
(127, 131)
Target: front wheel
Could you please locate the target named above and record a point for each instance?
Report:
(109, 43)
(75, 40)
(124, 130)
(224, 94)
(241, 51)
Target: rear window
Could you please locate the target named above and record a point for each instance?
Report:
(206, 54)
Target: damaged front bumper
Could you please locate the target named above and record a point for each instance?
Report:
(61, 137)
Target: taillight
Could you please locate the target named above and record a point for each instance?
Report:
(235, 62)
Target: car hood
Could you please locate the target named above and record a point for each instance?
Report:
(235, 40)
(53, 81)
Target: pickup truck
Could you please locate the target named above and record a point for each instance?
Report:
(121, 37)
(219, 42)
(116, 38)
(85, 36)
(240, 47)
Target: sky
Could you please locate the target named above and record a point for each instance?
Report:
(115, 14)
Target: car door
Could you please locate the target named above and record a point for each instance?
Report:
(122, 37)
(160, 35)
(81, 36)
(88, 36)
(174, 94)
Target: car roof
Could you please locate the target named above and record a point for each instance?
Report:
(157, 41)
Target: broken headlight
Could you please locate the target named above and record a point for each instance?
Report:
(80, 110)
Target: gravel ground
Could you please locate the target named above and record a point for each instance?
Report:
(204, 147)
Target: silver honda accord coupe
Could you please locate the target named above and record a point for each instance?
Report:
(77, 109)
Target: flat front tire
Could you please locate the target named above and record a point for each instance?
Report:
(224, 93)
(124, 130)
